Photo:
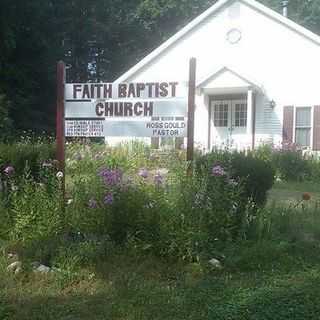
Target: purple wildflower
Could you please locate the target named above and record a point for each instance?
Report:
(108, 199)
(111, 177)
(9, 171)
(92, 204)
(143, 173)
(158, 179)
(218, 171)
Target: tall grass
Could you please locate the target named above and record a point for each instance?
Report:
(182, 217)
(298, 222)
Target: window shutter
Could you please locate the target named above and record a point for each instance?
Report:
(316, 128)
(287, 131)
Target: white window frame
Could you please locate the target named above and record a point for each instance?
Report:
(218, 113)
(240, 103)
(311, 124)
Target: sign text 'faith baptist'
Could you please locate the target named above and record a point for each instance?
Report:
(88, 106)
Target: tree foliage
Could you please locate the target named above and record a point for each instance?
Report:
(99, 40)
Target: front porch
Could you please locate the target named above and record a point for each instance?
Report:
(231, 107)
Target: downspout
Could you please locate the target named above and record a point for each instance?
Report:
(254, 114)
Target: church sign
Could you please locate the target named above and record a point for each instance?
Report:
(115, 128)
(125, 109)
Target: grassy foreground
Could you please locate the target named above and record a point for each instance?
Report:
(274, 275)
(260, 281)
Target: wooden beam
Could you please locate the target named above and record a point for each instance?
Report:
(60, 152)
(191, 107)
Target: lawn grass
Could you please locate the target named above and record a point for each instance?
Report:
(266, 281)
(289, 193)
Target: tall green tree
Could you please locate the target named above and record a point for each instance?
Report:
(28, 63)
(99, 40)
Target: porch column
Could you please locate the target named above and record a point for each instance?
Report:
(249, 116)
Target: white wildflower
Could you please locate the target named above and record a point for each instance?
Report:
(59, 175)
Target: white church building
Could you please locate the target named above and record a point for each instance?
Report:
(257, 76)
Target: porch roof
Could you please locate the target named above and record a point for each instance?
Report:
(227, 80)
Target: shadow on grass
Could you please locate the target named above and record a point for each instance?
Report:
(295, 296)
(260, 281)
(66, 307)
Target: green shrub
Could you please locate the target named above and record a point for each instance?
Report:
(314, 170)
(264, 152)
(179, 217)
(135, 215)
(291, 165)
(256, 175)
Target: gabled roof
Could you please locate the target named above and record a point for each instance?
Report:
(217, 6)
(216, 78)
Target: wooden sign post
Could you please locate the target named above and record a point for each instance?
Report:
(191, 107)
(92, 110)
(60, 154)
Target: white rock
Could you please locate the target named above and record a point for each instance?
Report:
(162, 171)
(215, 263)
(59, 175)
(15, 267)
(18, 270)
(42, 269)
(35, 265)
